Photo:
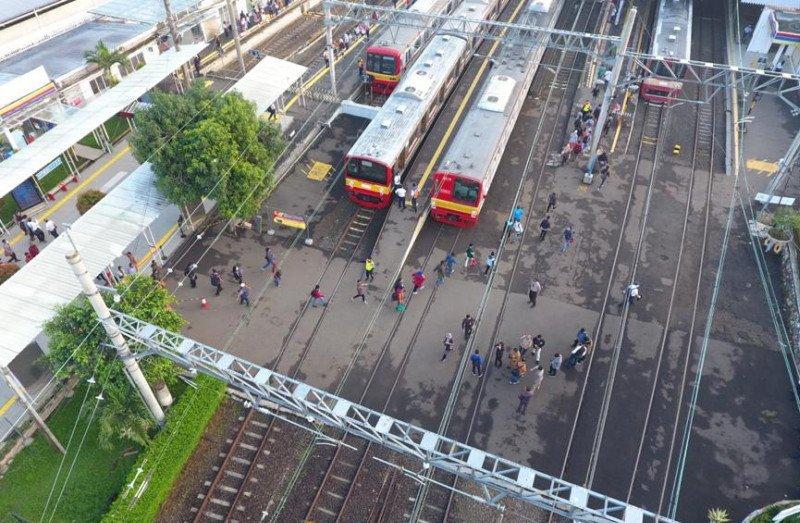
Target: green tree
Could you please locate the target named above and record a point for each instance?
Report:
(77, 348)
(205, 144)
(104, 58)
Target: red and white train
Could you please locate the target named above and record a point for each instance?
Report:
(396, 48)
(390, 140)
(672, 40)
(462, 181)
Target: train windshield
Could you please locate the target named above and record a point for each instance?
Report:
(366, 170)
(466, 192)
(381, 64)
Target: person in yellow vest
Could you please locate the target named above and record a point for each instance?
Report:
(369, 267)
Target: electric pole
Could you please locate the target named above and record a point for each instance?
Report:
(132, 368)
(329, 42)
(625, 37)
(173, 31)
(236, 40)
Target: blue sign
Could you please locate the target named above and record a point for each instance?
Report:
(27, 195)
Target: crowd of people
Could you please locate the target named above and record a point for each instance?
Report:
(36, 233)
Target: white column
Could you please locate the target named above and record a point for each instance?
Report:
(132, 368)
(22, 394)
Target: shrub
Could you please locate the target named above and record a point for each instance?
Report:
(87, 199)
(163, 460)
(7, 270)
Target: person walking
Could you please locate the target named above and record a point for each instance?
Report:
(499, 349)
(525, 344)
(544, 227)
(538, 377)
(448, 344)
(468, 262)
(8, 252)
(369, 268)
(361, 69)
(216, 281)
(490, 261)
(605, 172)
(582, 338)
(555, 364)
(477, 363)
(400, 193)
(632, 294)
(450, 263)
(51, 228)
(191, 272)
(269, 259)
(569, 237)
(276, 277)
(467, 324)
(236, 272)
(35, 229)
(361, 287)
(414, 194)
(440, 273)
(524, 399)
(534, 288)
(551, 202)
(244, 294)
(132, 260)
(155, 271)
(518, 214)
(418, 279)
(317, 298)
(537, 346)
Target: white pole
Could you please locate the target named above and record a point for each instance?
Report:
(236, 39)
(627, 29)
(329, 42)
(22, 394)
(132, 368)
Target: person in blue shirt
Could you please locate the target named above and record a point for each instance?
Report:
(518, 213)
(477, 363)
(582, 338)
(450, 262)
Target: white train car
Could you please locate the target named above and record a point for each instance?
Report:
(465, 174)
(390, 140)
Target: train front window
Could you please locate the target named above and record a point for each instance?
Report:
(366, 170)
(465, 192)
(381, 64)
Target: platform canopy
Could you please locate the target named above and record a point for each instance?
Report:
(32, 295)
(268, 80)
(35, 156)
(148, 11)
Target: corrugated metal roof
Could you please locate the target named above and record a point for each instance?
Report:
(149, 11)
(780, 4)
(31, 296)
(34, 157)
(268, 80)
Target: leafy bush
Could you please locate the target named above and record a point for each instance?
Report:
(7, 270)
(87, 199)
(163, 460)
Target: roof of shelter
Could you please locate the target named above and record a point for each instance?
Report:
(32, 296)
(148, 11)
(268, 80)
(10, 9)
(35, 156)
(63, 54)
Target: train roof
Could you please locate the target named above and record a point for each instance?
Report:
(398, 119)
(672, 32)
(401, 37)
(471, 152)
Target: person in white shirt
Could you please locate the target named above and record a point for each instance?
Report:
(400, 192)
(51, 228)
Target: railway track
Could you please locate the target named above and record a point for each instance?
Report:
(227, 493)
(438, 505)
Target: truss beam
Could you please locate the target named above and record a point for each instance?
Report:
(708, 74)
(501, 476)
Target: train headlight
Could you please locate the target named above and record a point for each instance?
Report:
(473, 213)
(433, 205)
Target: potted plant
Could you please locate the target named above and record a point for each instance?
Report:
(784, 221)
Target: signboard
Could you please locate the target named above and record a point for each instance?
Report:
(27, 195)
(50, 167)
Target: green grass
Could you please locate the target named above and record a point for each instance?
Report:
(54, 177)
(767, 515)
(7, 209)
(117, 127)
(164, 459)
(96, 478)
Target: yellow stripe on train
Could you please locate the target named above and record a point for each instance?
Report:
(384, 77)
(453, 206)
(352, 182)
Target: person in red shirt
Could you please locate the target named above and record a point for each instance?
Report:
(317, 298)
(418, 279)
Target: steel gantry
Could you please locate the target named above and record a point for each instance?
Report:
(715, 76)
(501, 477)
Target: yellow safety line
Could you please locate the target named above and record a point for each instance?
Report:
(7, 405)
(619, 123)
(464, 102)
(60, 203)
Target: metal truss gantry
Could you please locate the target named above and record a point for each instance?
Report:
(715, 76)
(500, 477)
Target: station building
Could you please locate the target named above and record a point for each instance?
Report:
(771, 31)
